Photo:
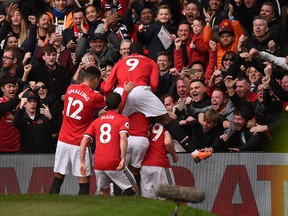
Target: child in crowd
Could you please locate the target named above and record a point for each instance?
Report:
(150, 36)
(198, 51)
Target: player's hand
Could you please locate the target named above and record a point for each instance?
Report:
(175, 158)
(121, 165)
(128, 86)
(83, 169)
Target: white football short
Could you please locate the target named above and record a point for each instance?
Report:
(67, 159)
(141, 99)
(152, 177)
(136, 150)
(124, 179)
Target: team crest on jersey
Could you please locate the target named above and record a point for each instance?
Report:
(127, 125)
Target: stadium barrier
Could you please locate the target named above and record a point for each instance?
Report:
(234, 183)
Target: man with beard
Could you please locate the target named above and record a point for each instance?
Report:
(243, 139)
(229, 32)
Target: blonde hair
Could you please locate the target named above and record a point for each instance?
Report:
(23, 29)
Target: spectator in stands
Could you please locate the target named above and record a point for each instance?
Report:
(261, 39)
(242, 94)
(243, 139)
(99, 45)
(225, 108)
(93, 17)
(64, 58)
(43, 23)
(182, 46)
(72, 35)
(61, 16)
(34, 127)
(192, 11)
(229, 33)
(207, 135)
(48, 100)
(9, 135)
(278, 32)
(11, 65)
(146, 17)
(150, 36)
(245, 11)
(125, 48)
(255, 78)
(55, 77)
(14, 23)
(166, 79)
(199, 101)
(217, 11)
(112, 20)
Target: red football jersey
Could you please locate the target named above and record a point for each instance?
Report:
(137, 68)
(105, 129)
(139, 125)
(9, 135)
(156, 154)
(80, 106)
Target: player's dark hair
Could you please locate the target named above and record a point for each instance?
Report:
(113, 101)
(7, 79)
(92, 73)
(136, 47)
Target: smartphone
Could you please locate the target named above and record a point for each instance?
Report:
(189, 71)
(58, 29)
(85, 60)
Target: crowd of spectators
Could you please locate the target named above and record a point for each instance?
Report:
(223, 65)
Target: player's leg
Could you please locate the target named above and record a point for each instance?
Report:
(147, 189)
(125, 180)
(144, 101)
(102, 183)
(137, 147)
(57, 183)
(61, 167)
(177, 132)
(84, 181)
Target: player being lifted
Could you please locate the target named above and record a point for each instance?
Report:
(142, 70)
